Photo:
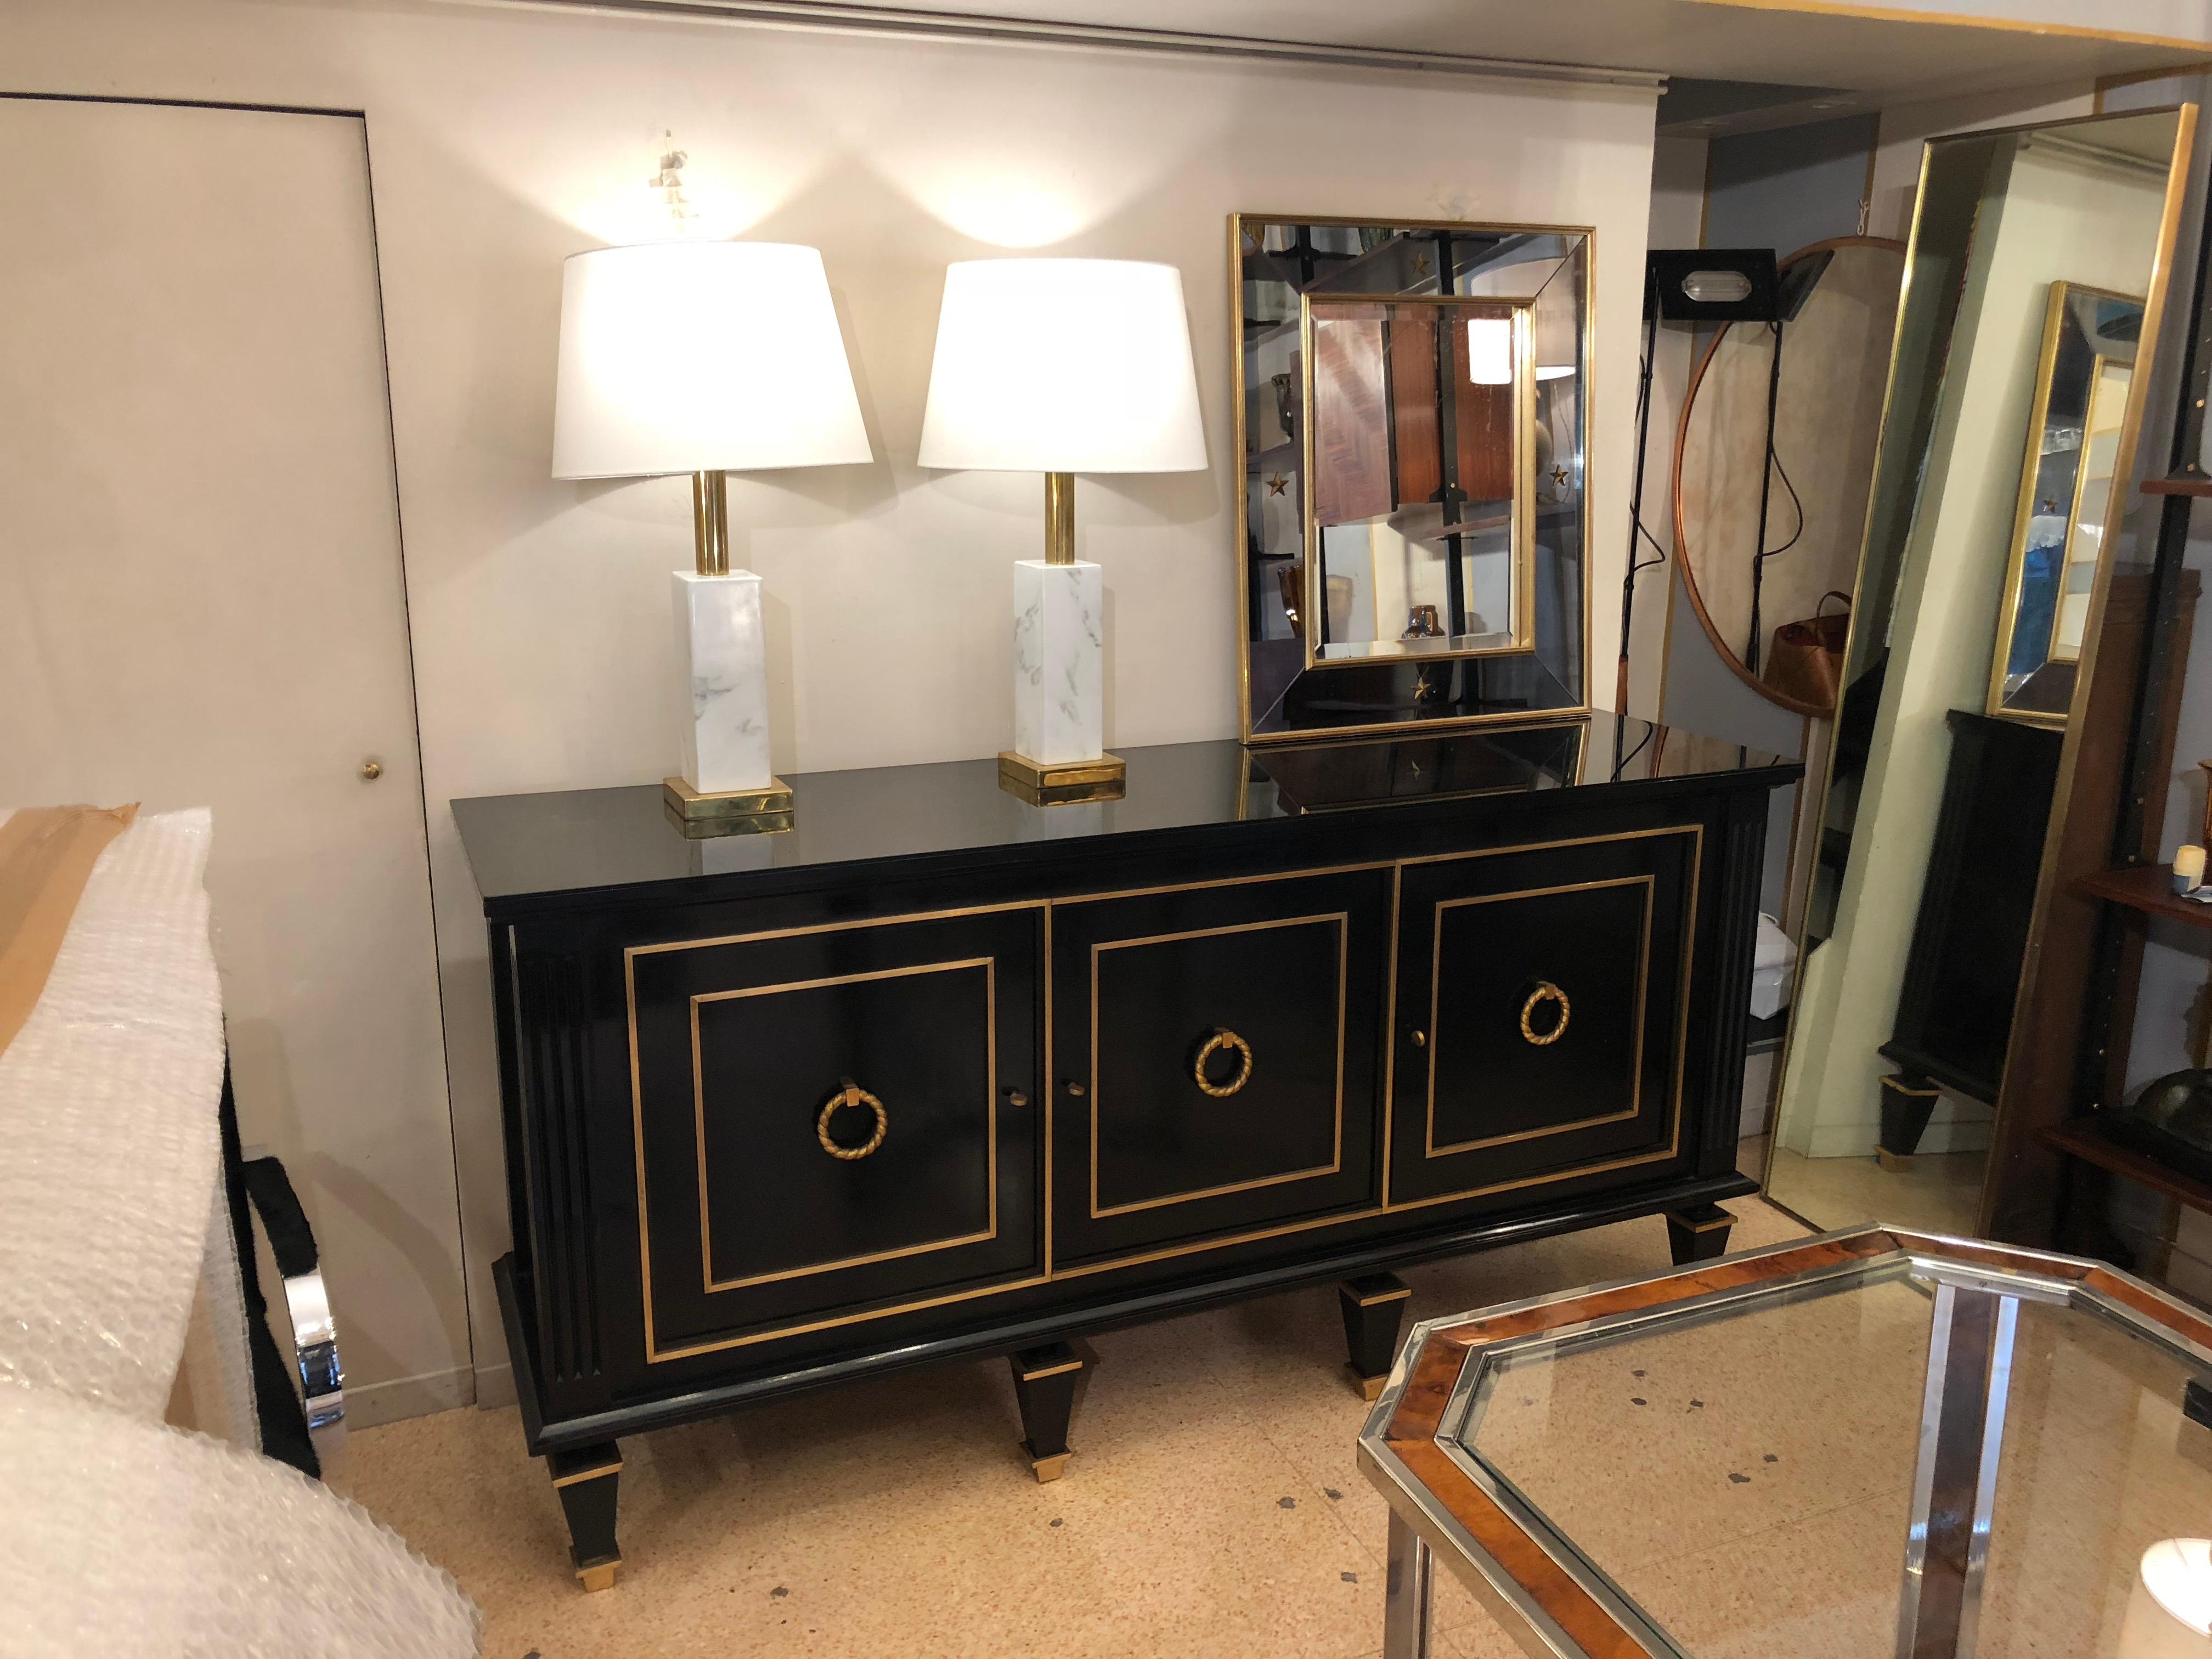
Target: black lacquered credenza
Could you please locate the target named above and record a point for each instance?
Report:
(938, 1074)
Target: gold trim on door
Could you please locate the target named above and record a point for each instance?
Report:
(1673, 1148)
(990, 967)
(654, 1351)
(654, 1354)
(1342, 919)
(1650, 884)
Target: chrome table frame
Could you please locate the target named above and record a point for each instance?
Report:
(1444, 1500)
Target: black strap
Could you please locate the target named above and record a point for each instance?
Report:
(277, 1405)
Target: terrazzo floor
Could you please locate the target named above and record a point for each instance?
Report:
(1938, 1192)
(1213, 1507)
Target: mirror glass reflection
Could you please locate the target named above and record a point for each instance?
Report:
(1412, 427)
(1421, 411)
(2037, 257)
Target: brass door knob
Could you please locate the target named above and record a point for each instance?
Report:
(372, 770)
(1075, 1089)
(1017, 1099)
(1420, 1039)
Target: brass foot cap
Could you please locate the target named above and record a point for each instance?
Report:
(1895, 1162)
(1371, 1387)
(599, 1574)
(1050, 1469)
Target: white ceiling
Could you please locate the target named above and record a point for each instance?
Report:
(1877, 58)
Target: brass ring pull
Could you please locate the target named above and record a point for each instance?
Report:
(852, 1095)
(1545, 992)
(1223, 1039)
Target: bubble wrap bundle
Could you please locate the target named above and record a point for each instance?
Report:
(107, 1111)
(120, 1536)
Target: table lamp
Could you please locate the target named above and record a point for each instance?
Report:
(707, 357)
(1061, 367)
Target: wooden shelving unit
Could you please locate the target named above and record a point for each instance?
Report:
(2148, 888)
(2084, 1139)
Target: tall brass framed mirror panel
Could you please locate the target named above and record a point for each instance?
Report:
(2033, 252)
(1413, 416)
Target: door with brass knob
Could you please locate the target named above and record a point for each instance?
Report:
(1218, 1050)
(834, 1118)
(1541, 992)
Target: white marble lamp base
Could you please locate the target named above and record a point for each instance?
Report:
(1060, 717)
(723, 649)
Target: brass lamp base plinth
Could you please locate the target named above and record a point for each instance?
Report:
(1060, 783)
(730, 812)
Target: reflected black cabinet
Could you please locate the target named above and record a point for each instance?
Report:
(938, 1075)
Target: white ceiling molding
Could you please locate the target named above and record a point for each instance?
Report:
(1878, 53)
(827, 17)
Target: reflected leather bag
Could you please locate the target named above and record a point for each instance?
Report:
(1806, 660)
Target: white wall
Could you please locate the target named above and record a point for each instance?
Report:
(501, 140)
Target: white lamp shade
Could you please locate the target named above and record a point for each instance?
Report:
(699, 357)
(2170, 1610)
(1063, 366)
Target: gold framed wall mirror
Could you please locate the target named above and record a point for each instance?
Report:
(1413, 421)
(2075, 447)
(2033, 252)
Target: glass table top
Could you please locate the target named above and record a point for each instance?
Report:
(1803, 1468)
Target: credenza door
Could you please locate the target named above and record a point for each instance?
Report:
(1539, 1026)
(1215, 1059)
(835, 1121)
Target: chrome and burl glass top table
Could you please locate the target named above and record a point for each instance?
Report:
(1871, 1444)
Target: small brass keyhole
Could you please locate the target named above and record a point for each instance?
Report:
(372, 770)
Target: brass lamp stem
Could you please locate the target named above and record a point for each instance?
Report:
(1060, 518)
(710, 523)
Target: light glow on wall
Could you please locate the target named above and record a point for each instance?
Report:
(1008, 213)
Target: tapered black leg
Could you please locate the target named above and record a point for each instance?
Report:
(1045, 1381)
(1908, 1101)
(1698, 1235)
(1373, 1308)
(584, 1480)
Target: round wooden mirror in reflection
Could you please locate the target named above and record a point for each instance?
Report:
(1834, 371)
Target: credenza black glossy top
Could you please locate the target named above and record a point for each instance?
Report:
(535, 852)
